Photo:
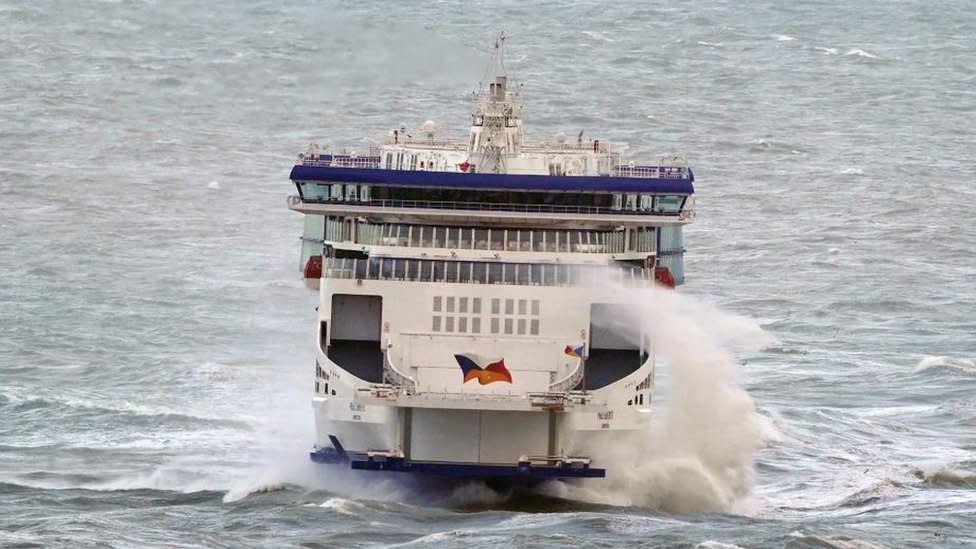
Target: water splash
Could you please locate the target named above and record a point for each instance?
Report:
(697, 454)
(861, 53)
(946, 476)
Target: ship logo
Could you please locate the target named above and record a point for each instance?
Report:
(577, 351)
(492, 371)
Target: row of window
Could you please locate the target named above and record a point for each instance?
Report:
(451, 304)
(476, 272)
(468, 238)
(342, 229)
(434, 197)
(401, 160)
(509, 316)
(497, 326)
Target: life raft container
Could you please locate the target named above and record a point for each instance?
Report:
(313, 267)
(663, 276)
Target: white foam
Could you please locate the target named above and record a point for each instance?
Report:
(936, 362)
(697, 454)
(599, 36)
(837, 542)
(852, 171)
(947, 475)
(861, 53)
(712, 544)
(214, 185)
(474, 493)
(783, 38)
(343, 506)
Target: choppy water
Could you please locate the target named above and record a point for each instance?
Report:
(156, 353)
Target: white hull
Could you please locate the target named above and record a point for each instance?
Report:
(445, 419)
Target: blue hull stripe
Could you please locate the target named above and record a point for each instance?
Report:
(524, 470)
(460, 180)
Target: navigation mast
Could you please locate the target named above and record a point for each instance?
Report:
(496, 121)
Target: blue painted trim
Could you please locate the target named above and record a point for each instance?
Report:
(328, 455)
(338, 446)
(460, 180)
(522, 470)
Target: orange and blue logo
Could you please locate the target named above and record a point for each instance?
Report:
(575, 350)
(492, 371)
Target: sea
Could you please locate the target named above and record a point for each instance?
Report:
(156, 338)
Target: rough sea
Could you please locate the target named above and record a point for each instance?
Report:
(156, 340)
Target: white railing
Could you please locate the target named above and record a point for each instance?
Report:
(296, 201)
(512, 240)
(652, 172)
(339, 161)
(394, 376)
(570, 380)
(421, 143)
(688, 212)
(483, 272)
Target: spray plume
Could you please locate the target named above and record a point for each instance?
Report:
(697, 455)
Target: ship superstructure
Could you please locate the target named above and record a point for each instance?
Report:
(458, 330)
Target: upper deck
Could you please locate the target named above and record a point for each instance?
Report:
(493, 169)
(489, 198)
(359, 185)
(631, 178)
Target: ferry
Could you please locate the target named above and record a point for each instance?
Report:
(458, 332)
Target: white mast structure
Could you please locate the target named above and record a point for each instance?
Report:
(496, 122)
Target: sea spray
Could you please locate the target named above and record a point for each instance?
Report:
(697, 453)
(277, 453)
(280, 442)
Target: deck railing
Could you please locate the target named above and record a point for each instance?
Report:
(652, 172)
(326, 161)
(483, 272)
(492, 207)
(493, 239)
(374, 162)
(570, 380)
(393, 375)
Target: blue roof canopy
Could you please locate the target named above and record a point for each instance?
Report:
(489, 181)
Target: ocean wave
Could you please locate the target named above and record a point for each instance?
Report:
(239, 493)
(861, 53)
(882, 489)
(25, 403)
(805, 539)
(946, 477)
(946, 363)
(713, 544)
(602, 37)
(59, 480)
(343, 506)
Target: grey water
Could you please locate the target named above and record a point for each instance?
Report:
(156, 340)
